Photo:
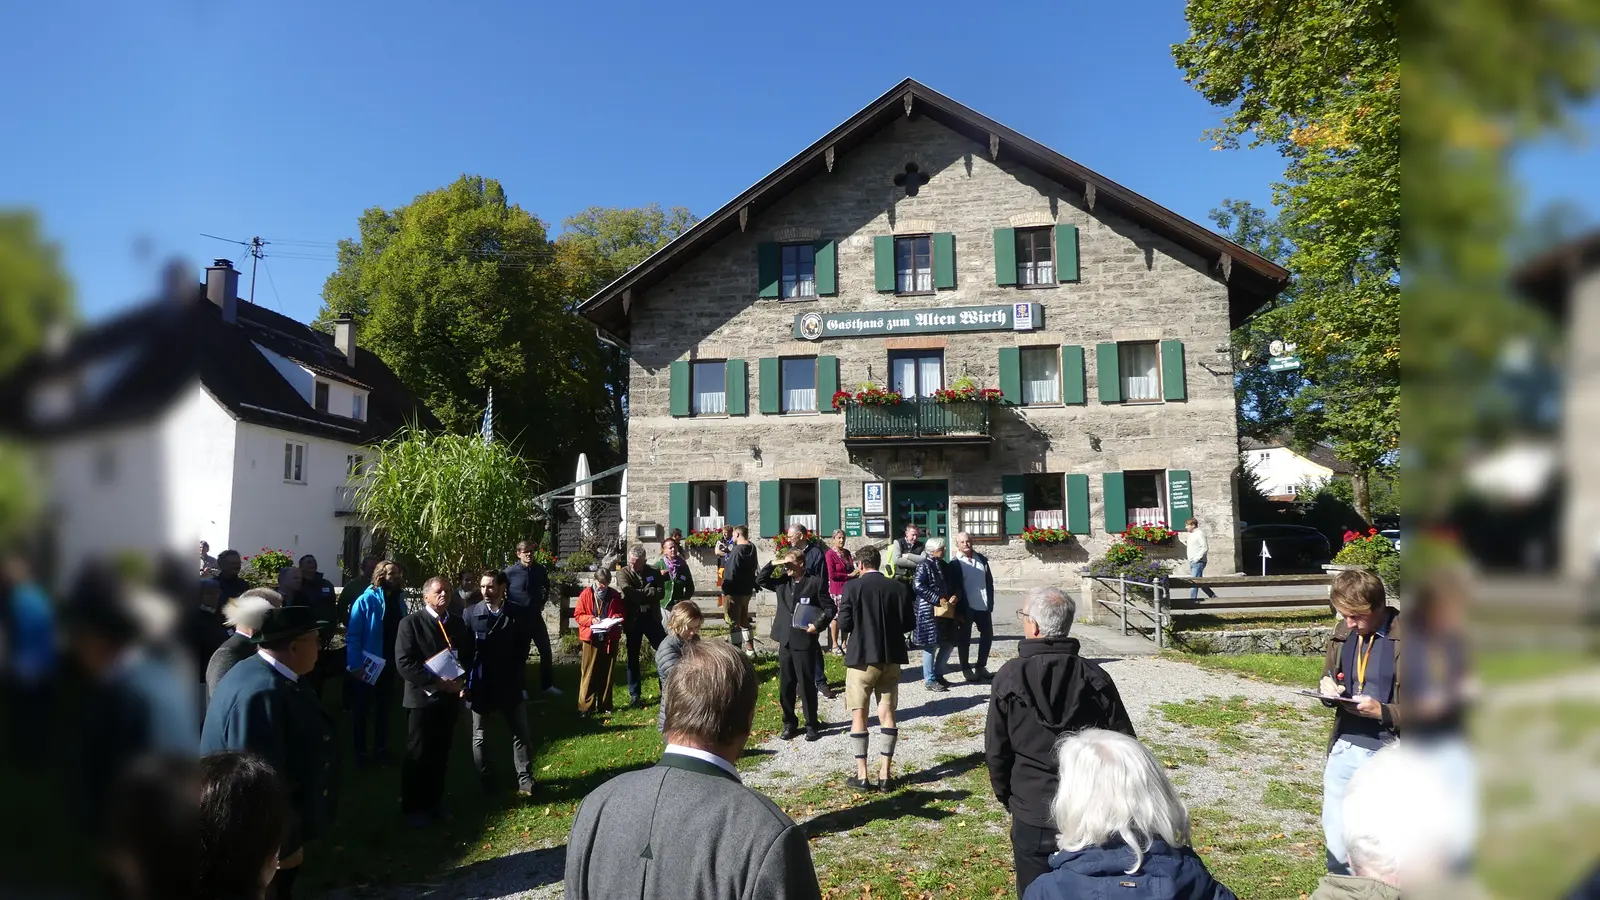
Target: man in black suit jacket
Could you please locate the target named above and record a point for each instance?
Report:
(874, 617)
(495, 684)
(798, 650)
(432, 703)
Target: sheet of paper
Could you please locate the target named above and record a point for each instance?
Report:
(606, 624)
(371, 668)
(445, 665)
(1321, 696)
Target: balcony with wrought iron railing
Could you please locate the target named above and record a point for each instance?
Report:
(921, 421)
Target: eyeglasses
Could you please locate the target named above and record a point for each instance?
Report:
(1023, 615)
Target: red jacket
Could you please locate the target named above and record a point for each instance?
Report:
(840, 565)
(588, 611)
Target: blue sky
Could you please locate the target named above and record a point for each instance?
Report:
(132, 132)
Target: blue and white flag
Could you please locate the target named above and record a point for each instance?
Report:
(488, 420)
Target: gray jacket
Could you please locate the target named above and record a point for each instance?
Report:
(667, 655)
(237, 647)
(686, 828)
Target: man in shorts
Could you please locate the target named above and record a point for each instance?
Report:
(873, 619)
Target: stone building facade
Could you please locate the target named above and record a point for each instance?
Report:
(1117, 405)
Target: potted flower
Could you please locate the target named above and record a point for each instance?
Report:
(780, 544)
(1045, 537)
(1150, 535)
(965, 390)
(704, 539)
(866, 395)
(1371, 551)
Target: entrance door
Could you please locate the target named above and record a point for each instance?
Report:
(926, 503)
(916, 373)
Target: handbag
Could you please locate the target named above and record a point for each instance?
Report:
(945, 609)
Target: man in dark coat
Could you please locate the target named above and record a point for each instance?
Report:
(495, 684)
(229, 562)
(874, 617)
(642, 587)
(529, 583)
(264, 705)
(1047, 691)
(738, 583)
(317, 592)
(432, 702)
(798, 649)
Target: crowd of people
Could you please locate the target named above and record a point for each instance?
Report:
(1090, 807)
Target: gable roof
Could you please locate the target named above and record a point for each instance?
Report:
(1547, 278)
(163, 346)
(1253, 279)
(1321, 454)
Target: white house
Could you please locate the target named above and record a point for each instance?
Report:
(204, 417)
(1282, 470)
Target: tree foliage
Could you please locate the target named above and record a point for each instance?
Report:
(447, 502)
(34, 291)
(1264, 398)
(457, 293)
(1319, 81)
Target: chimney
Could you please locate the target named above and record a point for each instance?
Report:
(222, 288)
(344, 337)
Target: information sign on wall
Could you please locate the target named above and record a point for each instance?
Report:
(814, 326)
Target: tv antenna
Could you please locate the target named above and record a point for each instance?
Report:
(254, 245)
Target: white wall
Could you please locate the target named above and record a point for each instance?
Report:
(341, 397)
(1280, 469)
(298, 377)
(198, 436)
(296, 518)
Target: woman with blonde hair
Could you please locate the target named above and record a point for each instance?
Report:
(372, 629)
(683, 626)
(1123, 829)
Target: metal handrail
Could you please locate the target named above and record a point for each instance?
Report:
(917, 418)
(1155, 613)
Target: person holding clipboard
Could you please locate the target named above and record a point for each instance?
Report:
(433, 654)
(804, 611)
(1361, 680)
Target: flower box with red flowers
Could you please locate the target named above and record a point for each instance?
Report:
(780, 544)
(704, 539)
(868, 395)
(969, 393)
(1044, 537)
(1150, 535)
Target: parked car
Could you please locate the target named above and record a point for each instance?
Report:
(1293, 547)
(1393, 534)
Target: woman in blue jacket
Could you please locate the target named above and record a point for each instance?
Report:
(1124, 832)
(374, 622)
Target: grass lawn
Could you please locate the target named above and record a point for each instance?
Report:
(1242, 621)
(1293, 671)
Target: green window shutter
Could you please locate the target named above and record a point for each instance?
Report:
(1066, 253)
(1180, 498)
(826, 257)
(737, 512)
(1109, 372)
(769, 264)
(678, 506)
(883, 261)
(738, 391)
(1172, 383)
(944, 259)
(1016, 519)
(767, 375)
(1078, 504)
(1116, 504)
(678, 389)
(1005, 256)
(827, 382)
(771, 511)
(828, 501)
(1011, 375)
(1072, 386)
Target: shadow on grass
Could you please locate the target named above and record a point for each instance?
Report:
(899, 805)
(524, 870)
(944, 706)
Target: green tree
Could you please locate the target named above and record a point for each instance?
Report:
(597, 247)
(447, 502)
(1264, 397)
(34, 291)
(1319, 81)
(458, 292)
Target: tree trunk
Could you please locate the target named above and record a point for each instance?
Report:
(1363, 495)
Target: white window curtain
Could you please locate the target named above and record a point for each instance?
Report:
(799, 271)
(708, 505)
(1047, 518)
(1141, 371)
(799, 379)
(710, 389)
(1146, 515)
(913, 265)
(1041, 375)
(931, 375)
(808, 522)
(905, 376)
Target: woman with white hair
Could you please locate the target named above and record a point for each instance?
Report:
(939, 613)
(1123, 830)
(243, 614)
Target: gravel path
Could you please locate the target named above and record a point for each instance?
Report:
(934, 726)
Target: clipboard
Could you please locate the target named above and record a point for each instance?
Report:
(1348, 701)
(805, 614)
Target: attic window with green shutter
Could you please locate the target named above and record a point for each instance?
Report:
(913, 264)
(1035, 258)
(799, 280)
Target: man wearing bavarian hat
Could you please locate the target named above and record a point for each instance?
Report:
(265, 705)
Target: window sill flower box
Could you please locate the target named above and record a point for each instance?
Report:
(705, 539)
(1157, 535)
(1046, 537)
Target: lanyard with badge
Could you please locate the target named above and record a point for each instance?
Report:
(1363, 653)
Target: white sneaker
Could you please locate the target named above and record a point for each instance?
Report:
(553, 691)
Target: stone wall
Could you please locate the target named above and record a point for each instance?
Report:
(1134, 285)
(1282, 641)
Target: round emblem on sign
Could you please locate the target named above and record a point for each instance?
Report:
(1275, 348)
(811, 326)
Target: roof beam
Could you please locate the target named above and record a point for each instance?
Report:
(1088, 194)
(908, 104)
(1226, 262)
(827, 157)
(994, 146)
(744, 217)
